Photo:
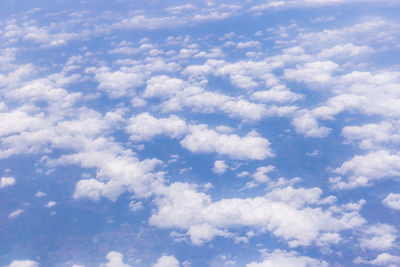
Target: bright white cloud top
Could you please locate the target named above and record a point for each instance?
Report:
(201, 133)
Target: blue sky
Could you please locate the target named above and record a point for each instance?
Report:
(199, 133)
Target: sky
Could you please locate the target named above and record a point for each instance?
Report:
(255, 133)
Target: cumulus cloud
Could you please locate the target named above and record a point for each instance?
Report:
(373, 136)
(287, 259)
(115, 259)
(23, 263)
(379, 237)
(260, 176)
(162, 86)
(204, 140)
(345, 51)
(277, 94)
(392, 201)
(40, 194)
(361, 170)
(51, 204)
(178, 95)
(180, 206)
(144, 126)
(15, 214)
(167, 261)
(7, 181)
(384, 259)
(117, 83)
(305, 123)
(312, 72)
(219, 167)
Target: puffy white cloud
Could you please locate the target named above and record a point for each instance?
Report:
(379, 237)
(46, 36)
(15, 213)
(179, 9)
(242, 74)
(40, 194)
(299, 197)
(122, 82)
(51, 204)
(117, 83)
(260, 176)
(160, 86)
(305, 123)
(276, 94)
(219, 167)
(361, 170)
(167, 261)
(292, 219)
(144, 126)
(47, 89)
(248, 44)
(125, 48)
(392, 201)
(7, 181)
(115, 259)
(200, 100)
(383, 259)
(135, 206)
(360, 33)
(23, 263)
(366, 93)
(18, 121)
(373, 136)
(287, 259)
(204, 140)
(312, 72)
(116, 174)
(345, 51)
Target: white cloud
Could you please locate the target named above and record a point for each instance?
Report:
(383, 259)
(278, 93)
(363, 92)
(312, 72)
(355, 34)
(305, 123)
(379, 237)
(160, 86)
(18, 121)
(260, 176)
(179, 9)
(135, 206)
(181, 206)
(373, 136)
(392, 201)
(167, 261)
(7, 181)
(345, 51)
(15, 213)
(219, 167)
(361, 170)
(299, 197)
(115, 259)
(23, 263)
(144, 127)
(204, 140)
(248, 44)
(283, 258)
(51, 204)
(40, 194)
(117, 83)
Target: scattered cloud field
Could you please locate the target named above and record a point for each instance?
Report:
(255, 133)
